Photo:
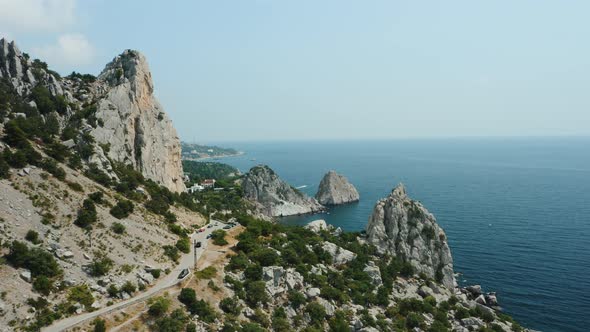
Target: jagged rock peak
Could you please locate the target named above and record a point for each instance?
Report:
(130, 66)
(334, 189)
(273, 196)
(403, 227)
(15, 67)
(135, 125)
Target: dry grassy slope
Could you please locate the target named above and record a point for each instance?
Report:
(135, 318)
(23, 201)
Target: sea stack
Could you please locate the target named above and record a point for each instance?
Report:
(275, 197)
(335, 189)
(402, 227)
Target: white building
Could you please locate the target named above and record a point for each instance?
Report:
(195, 188)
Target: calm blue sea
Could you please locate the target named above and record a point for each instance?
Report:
(516, 211)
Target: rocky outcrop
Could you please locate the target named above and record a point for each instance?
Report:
(279, 280)
(402, 227)
(129, 124)
(23, 73)
(275, 197)
(339, 255)
(335, 189)
(317, 226)
(135, 125)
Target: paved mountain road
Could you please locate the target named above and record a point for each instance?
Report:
(186, 261)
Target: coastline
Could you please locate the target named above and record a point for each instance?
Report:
(240, 153)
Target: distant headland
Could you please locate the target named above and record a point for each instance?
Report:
(193, 151)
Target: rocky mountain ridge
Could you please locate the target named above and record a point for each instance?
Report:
(125, 121)
(335, 189)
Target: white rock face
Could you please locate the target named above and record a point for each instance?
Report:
(279, 280)
(374, 273)
(135, 125)
(130, 119)
(26, 275)
(334, 189)
(339, 255)
(317, 225)
(274, 196)
(403, 227)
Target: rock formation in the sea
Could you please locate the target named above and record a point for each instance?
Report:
(402, 227)
(274, 196)
(335, 189)
(135, 125)
(118, 109)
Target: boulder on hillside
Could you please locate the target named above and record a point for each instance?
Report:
(317, 225)
(339, 255)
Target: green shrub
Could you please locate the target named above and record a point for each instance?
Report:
(206, 273)
(316, 313)
(113, 290)
(43, 285)
(75, 186)
(256, 293)
(187, 296)
(118, 228)
(265, 256)
(122, 209)
(51, 167)
(100, 267)
(37, 260)
(97, 197)
(82, 295)
(57, 151)
(32, 237)
(155, 273)
(4, 168)
(437, 326)
(171, 252)
(260, 317)
(15, 136)
(98, 175)
(173, 323)
(159, 307)
(99, 325)
(184, 244)
(191, 327)
(297, 299)
(230, 305)
(218, 237)
(86, 215)
(461, 312)
(128, 287)
(197, 307)
(483, 314)
(253, 272)
(252, 327)
(413, 320)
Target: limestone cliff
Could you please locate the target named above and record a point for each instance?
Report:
(403, 227)
(335, 189)
(274, 196)
(119, 110)
(135, 125)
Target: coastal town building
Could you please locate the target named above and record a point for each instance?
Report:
(195, 188)
(208, 183)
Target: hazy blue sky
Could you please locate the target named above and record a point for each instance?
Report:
(270, 69)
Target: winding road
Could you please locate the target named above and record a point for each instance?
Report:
(170, 280)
